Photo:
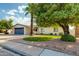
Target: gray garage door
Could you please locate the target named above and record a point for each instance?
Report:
(19, 31)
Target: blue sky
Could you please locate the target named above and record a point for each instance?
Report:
(14, 11)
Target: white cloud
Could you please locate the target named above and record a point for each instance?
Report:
(20, 20)
(12, 12)
(23, 20)
(15, 19)
(27, 19)
(8, 17)
(21, 8)
(3, 11)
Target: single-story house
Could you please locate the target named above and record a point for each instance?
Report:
(54, 30)
(20, 29)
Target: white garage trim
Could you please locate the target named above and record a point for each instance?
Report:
(26, 28)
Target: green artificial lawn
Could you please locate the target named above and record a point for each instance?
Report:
(41, 38)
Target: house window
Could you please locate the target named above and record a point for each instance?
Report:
(35, 29)
(55, 29)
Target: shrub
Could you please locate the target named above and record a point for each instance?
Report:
(51, 34)
(1, 31)
(68, 38)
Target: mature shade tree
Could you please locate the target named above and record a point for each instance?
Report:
(6, 24)
(30, 9)
(62, 15)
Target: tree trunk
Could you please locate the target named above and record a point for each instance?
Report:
(6, 32)
(31, 26)
(65, 29)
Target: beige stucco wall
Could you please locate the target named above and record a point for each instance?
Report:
(49, 30)
(72, 30)
(27, 30)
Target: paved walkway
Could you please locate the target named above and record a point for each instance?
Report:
(28, 50)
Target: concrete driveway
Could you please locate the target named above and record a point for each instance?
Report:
(25, 49)
(10, 37)
(5, 52)
(28, 50)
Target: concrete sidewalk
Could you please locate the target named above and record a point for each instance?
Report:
(28, 50)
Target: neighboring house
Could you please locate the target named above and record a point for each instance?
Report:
(20, 29)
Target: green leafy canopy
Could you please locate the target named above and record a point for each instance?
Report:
(6, 24)
(48, 14)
